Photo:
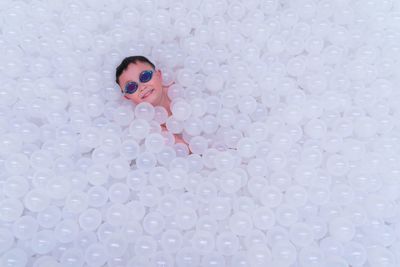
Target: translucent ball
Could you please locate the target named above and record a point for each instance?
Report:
(195, 163)
(230, 182)
(331, 247)
(286, 215)
(316, 129)
(116, 214)
(58, 188)
(199, 107)
(240, 223)
(186, 218)
(145, 111)
(76, 202)
(187, 256)
(49, 217)
(36, 200)
(146, 246)
(110, 142)
(181, 110)
(25, 227)
(96, 254)
(132, 231)
(271, 196)
(311, 256)
(171, 240)
(153, 223)
(16, 163)
(72, 257)
(207, 223)
(342, 229)
(90, 219)
(296, 196)
(203, 242)
(220, 208)
(154, 142)
(355, 253)
(16, 257)
(149, 196)
(301, 234)
(284, 252)
(139, 129)
(118, 193)
(97, 196)
(43, 242)
(160, 114)
(66, 231)
(226, 117)
(46, 261)
(263, 218)
(174, 125)
(175, 91)
(84, 239)
(225, 161)
(7, 240)
(116, 245)
(15, 186)
(105, 231)
(129, 149)
(146, 161)
(259, 255)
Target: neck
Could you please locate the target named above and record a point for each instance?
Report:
(165, 101)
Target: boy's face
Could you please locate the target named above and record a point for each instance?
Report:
(150, 91)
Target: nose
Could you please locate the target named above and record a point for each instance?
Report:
(142, 87)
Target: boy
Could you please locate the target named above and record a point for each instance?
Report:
(141, 82)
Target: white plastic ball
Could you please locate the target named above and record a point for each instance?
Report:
(145, 245)
(139, 129)
(259, 255)
(49, 217)
(203, 242)
(97, 196)
(66, 231)
(36, 200)
(181, 110)
(14, 257)
(355, 253)
(263, 218)
(90, 219)
(15, 186)
(96, 254)
(187, 256)
(43, 242)
(145, 111)
(154, 142)
(116, 214)
(342, 229)
(284, 252)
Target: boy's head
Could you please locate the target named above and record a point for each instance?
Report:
(139, 80)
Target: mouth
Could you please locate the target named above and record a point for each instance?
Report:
(149, 92)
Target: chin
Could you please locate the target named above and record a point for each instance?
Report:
(151, 99)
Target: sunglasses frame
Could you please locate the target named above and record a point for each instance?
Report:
(140, 81)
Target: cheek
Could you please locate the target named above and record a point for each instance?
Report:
(135, 98)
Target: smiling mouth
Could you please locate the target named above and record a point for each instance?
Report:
(147, 93)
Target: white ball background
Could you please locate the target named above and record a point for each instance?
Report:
(290, 107)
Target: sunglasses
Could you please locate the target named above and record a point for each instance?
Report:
(144, 77)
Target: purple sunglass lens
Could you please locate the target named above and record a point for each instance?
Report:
(131, 88)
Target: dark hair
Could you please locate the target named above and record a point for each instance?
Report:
(128, 60)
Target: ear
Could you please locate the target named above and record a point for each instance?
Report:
(159, 74)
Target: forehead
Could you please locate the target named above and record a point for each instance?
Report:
(133, 70)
